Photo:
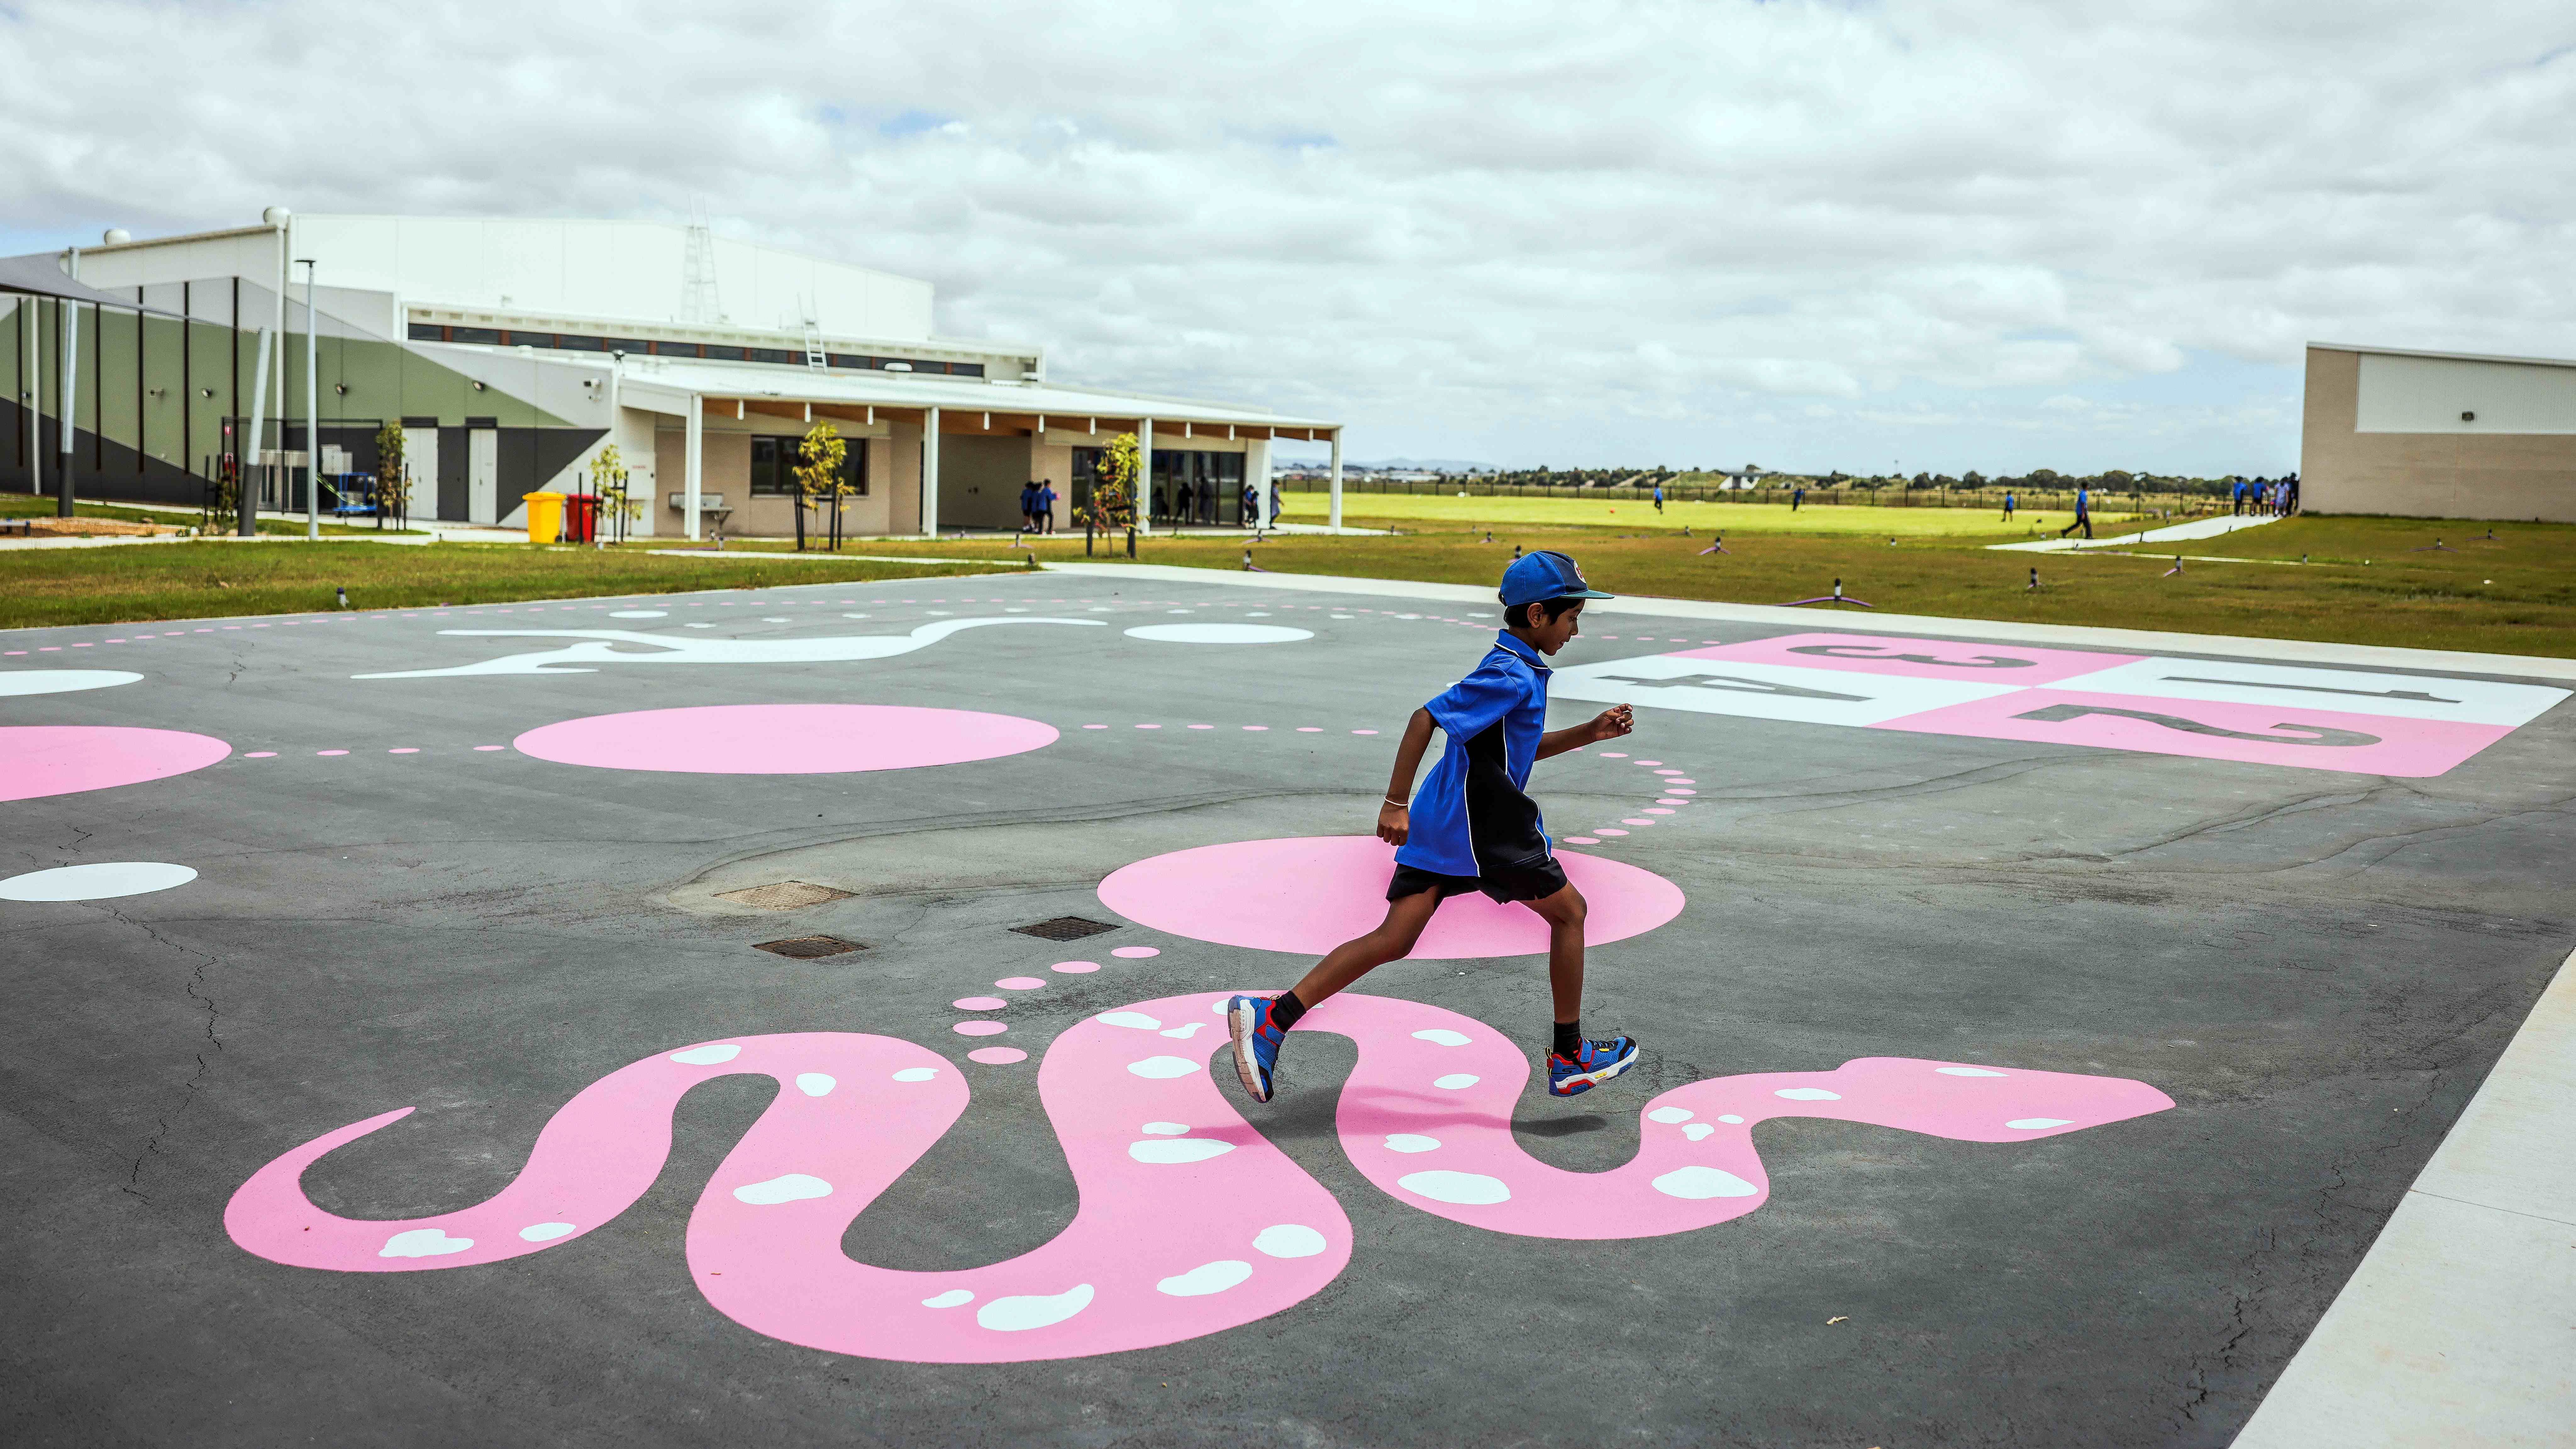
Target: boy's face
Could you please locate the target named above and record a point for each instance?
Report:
(1549, 635)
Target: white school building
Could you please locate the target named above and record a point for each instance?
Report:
(511, 353)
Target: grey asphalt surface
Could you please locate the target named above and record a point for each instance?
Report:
(2319, 968)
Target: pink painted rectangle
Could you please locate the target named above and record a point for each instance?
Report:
(2263, 734)
(1917, 658)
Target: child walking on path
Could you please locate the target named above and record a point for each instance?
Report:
(1473, 829)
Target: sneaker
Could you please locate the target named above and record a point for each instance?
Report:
(1256, 1043)
(1593, 1063)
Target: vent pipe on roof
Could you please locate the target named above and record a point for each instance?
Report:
(115, 236)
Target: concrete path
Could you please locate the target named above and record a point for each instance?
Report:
(2198, 528)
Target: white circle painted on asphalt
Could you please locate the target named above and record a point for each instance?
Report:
(1219, 633)
(61, 681)
(102, 880)
(639, 613)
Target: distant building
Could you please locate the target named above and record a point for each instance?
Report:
(2437, 434)
(510, 353)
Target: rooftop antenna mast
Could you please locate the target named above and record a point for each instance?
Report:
(698, 300)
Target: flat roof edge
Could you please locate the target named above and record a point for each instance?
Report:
(2444, 356)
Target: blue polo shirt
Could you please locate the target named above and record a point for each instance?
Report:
(1472, 815)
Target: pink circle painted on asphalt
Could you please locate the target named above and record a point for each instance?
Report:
(1612, 755)
(1581, 840)
(1636, 820)
(979, 1003)
(1650, 764)
(1019, 983)
(1681, 782)
(40, 760)
(1306, 895)
(1310, 729)
(1681, 792)
(1136, 953)
(784, 739)
(979, 1028)
(997, 1056)
(330, 752)
(261, 755)
(480, 749)
(1075, 968)
(1606, 830)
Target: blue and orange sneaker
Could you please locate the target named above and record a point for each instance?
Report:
(1256, 1042)
(1593, 1063)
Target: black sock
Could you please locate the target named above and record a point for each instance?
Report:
(1285, 1008)
(1569, 1038)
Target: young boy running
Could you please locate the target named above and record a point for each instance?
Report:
(1472, 829)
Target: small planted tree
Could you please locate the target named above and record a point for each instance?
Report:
(608, 480)
(1113, 485)
(392, 472)
(819, 459)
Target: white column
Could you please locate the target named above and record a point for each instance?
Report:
(1145, 476)
(312, 413)
(1337, 479)
(1256, 467)
(285, 245)
(930, 473)
(32, 308)
(68, 396)
(693, 470)
(248, 470)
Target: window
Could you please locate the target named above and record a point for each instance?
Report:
(848, 359)
(570, 343)
(723, 354)
(774, 460)
(675, 349)
(775, 354)
(633, 346)
(428, 332)
(489, 336)
(966, 369)
(532, 339)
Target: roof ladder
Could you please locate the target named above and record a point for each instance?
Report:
(814, 347)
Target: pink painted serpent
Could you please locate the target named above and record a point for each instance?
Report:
(1190, 1222)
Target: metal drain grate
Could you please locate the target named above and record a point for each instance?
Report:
(807, 948)
(1065, 928)
(785, 895)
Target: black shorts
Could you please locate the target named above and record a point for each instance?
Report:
(1527, 883)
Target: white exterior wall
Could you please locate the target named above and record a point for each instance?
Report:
(2402, 394)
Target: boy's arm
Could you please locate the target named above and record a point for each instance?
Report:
(1610, 724)
(1394, 815)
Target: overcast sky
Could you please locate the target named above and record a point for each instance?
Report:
(1951, 234)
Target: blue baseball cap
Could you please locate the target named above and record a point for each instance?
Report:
(1536, 578)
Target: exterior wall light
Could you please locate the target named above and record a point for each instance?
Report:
(478, 386)
(2468, 417)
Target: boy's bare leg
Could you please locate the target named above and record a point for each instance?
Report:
(1394, 937)
(1564, 914)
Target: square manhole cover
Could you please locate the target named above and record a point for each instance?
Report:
(807, 948)
(785, 895)
(1065, 928)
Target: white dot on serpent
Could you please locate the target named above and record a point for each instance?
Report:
(815, 1084)
(2034, 1124)
(1166, 1129)
(1808, 1094)
(544, 1232)
(1137, 1019)
(707, 1056)
(1697, 1130)
(1671, 1114)
(790, 1187)
(1411, 1142)
(916, 1074)
(1164, 1067)
(1032, 1310)
(1472, 1189)
(1289, 1240)
(1441, 1036)
(1703, 1182)
(1966, 1072)
(1456, 1081)
(1730, 1117)
(423, 1243)
(1183, 1149)
(953, 1298)
(1206, 1278)
(1185, 1032)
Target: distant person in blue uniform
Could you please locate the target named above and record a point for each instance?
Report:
(2008, 505)
(1659, 498)
(1473, 829)
(2083, 513)
(1797, 496)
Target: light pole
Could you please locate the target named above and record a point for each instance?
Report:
(312, 411)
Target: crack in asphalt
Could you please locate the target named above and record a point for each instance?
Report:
(197, 991)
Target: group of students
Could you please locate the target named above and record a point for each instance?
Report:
(1037, 508)
(2277, 498)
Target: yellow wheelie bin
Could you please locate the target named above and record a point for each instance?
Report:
(545, 517)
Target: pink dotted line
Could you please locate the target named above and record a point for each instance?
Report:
(395, 750)
(1249, 729)
(997, 1056)
(1674, 791)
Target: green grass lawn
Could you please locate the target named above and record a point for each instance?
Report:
(1418, 511)
(2370, 580)
(29, 505)
(209, 578)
